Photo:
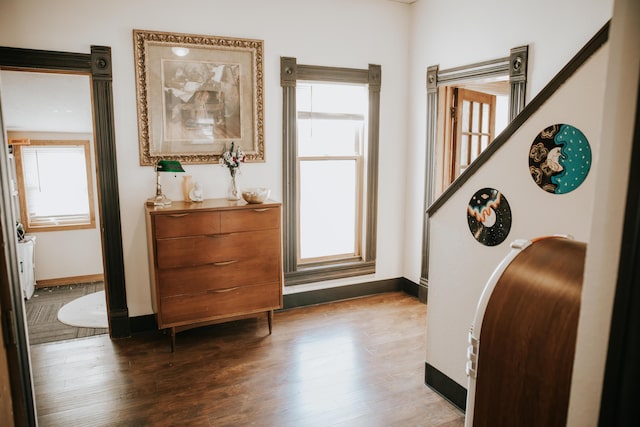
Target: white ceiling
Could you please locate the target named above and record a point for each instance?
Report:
(46, 102)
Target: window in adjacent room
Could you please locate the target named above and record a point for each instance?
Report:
(331, 128)
(55, 185)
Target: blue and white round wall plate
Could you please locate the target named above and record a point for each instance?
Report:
(560, 159)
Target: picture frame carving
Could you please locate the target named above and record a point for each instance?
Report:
(197, 94)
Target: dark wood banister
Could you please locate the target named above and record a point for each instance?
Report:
(572, 66)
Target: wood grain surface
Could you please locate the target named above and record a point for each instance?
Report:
(527, 340)
(353, 363)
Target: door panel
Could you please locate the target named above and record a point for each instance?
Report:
(473, 128)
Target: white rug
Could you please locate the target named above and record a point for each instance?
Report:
(89, 311)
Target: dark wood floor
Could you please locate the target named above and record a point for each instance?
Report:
(42, 313)
(352, 363)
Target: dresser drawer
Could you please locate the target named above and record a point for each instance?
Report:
(249, 219)
(217, 248)
(186, 224)
(217, 304)
(194, 280)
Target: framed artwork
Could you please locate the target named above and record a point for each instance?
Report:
(196, 95)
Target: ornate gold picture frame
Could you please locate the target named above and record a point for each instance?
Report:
(196, 95)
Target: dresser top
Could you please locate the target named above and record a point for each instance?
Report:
(209, 204)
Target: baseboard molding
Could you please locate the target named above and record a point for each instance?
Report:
(120, 323)
(71, 280)
(322, 296)
(445, 386)
(143, 324)
(423, 291)
(408, 287)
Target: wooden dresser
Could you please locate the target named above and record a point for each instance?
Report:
(214, 261)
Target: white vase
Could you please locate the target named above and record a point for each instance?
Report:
(233, 192)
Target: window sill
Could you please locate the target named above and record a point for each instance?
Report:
(318, 273)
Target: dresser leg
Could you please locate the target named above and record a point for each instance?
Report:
(270, 319)
(173, 340)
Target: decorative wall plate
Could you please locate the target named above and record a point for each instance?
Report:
(489, 216)
(560, 159)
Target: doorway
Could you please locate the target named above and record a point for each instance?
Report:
(49, 124)
(97, 65)
(437, 183)
(470, 116)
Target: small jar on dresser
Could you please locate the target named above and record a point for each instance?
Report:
(214, 261)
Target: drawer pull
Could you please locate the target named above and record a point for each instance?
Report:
(261, 210)
(221, 291)
(177, 215)
(219, 264)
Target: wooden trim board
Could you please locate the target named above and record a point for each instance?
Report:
(71, 280)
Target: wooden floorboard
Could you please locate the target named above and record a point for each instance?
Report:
(351, 363)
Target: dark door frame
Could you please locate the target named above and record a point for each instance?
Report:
(97, 64)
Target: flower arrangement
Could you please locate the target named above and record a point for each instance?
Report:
(232, 159)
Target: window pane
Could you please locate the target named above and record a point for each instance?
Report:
(465, 116)
(502, 113)
(303, 97)
(475, 147)
(55, 182)
(475, 126)
(326, 137)
(328, 197)
(485, 118)
(331, 98)
(464, 150)
(485, 142)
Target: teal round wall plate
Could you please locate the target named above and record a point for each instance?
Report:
(560, 159)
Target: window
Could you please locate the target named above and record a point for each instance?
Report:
(55, 185)
(330, 162)
(331, 128)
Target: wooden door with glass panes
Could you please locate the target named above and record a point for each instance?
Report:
(473, 127)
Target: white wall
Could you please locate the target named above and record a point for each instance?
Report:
(454, 34)
(463, 32)
(352, 33)
(612, 172)
(608, 180)
(459, 265)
